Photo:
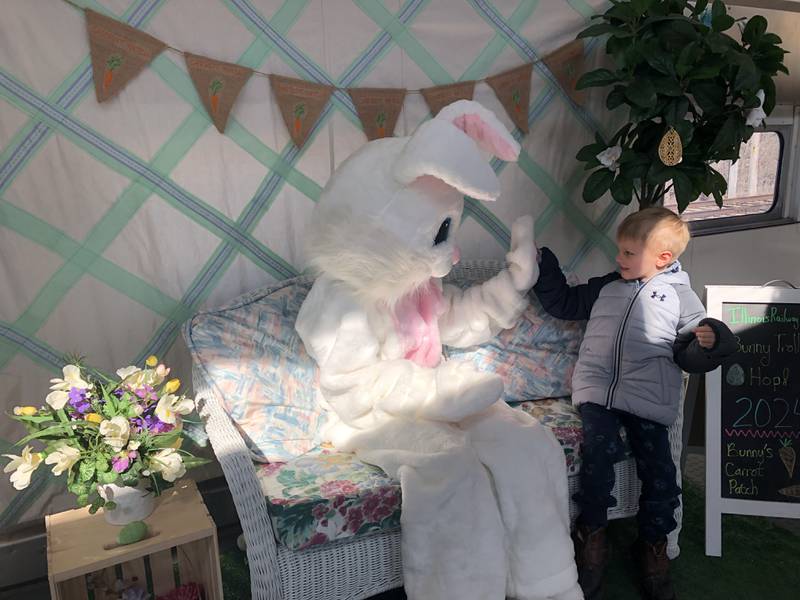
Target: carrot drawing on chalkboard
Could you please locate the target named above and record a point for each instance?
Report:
(793, 491)
(788, 455)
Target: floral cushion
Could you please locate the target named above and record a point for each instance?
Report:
(250, 355)
(535, 358)
(327, 495)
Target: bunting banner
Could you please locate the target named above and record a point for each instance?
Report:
(119, 53)
(218, 84)
(300, 103)
(378, 109)
(513, 89)
(439, 96)
(567, 65)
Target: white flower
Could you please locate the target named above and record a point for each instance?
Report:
(115, 432)
(134, 445)
(610, 156)
(72, 379)
(126, 372)
(169, 405)
(755, 116)
(63, 458)
(134, 378)
(23, 467)
(169, 463)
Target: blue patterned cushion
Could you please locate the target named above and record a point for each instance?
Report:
(250, 355)
(535, 359)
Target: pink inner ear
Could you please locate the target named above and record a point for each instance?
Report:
(486, 137)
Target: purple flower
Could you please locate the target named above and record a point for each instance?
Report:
(120, 463)
(77, 400)
(152, 423)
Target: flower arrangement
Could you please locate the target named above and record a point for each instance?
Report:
(101, 430)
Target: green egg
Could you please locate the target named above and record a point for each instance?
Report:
(132, 533)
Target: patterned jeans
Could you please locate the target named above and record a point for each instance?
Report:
(602, 447)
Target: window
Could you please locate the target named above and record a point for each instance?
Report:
(753, 196)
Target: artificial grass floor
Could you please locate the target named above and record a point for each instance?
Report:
(760, 561)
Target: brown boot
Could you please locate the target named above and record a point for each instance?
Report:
(591, 558)
(653, 566)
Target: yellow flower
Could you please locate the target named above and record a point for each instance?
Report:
(172, 386)
(94, 418)
(27, 411)
(151, 361)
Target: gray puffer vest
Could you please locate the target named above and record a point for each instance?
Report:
(626, 358)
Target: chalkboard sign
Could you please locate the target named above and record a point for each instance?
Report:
(761, 403)
(753, 409)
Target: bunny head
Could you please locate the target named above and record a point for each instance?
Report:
(385, 222)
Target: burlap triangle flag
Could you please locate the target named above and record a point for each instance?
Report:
(218, 84)
(300, 102)
(378, 109)
(119, 53)
(513, 89)
(567, 65)
(439, 96)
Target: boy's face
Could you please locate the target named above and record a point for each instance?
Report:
(639, 260)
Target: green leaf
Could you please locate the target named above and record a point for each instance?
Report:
(685, 130)
(659, 173)
(755, 28)
(596, 78)
(86, 470)
(718, 9)
(676, 110)
(598, 184)
(599, 29)
(589, 152)
(722, 23)
(747, 76)
(709, 96)
(684, 191)
(640, 6)
(622, 189)
(659, 59)
(642, 93)
(687, 59)
(728, 136)
(616, 97)
(623, 12)
(718, 43)
(55, 430)
(699, 7)
(165, 440)
(107, 477)
(667, 86)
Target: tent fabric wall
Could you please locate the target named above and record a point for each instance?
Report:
(120, 220)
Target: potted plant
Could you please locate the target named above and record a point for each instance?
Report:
(118, 440)
(693, 94)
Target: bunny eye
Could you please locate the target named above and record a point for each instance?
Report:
(444, 231)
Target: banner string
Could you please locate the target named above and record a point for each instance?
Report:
(262, 74)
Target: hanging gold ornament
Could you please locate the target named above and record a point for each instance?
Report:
(670, 150)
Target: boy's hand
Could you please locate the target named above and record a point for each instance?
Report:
(705, 336)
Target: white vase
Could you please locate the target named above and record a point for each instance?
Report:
(132, 503)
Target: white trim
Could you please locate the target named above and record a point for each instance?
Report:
(716, 506)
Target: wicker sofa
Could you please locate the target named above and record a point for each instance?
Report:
(303, 507)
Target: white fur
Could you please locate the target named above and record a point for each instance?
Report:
(484, 486)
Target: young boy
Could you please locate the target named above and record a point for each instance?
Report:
(645, 325)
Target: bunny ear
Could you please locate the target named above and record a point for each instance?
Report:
(483, 126)
(447, 148)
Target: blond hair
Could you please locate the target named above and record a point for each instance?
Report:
(656, 225)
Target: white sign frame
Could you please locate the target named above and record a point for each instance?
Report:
(716, 505)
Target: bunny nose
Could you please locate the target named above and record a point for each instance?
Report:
(456, 254)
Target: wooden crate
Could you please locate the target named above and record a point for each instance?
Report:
(182, 548)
